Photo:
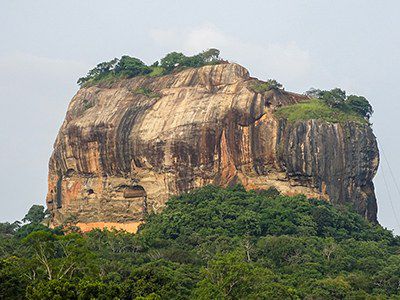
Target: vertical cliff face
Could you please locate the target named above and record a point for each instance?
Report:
(121, 152)
(338, 160)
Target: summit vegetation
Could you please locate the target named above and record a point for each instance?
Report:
(331, 106)
(211, 243)
(128, 67)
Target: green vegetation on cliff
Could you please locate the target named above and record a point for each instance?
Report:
(318, 110)
(264, 86)
(212, 243)
(331, 106)
(128, 67)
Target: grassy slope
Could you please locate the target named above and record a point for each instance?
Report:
(317, 109)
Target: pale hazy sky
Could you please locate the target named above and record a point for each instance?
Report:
(46, 45)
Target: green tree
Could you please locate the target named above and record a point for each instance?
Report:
(95, 289)
(211, 243)
(194, 61)
(9, 229)
(162, 278)
(128, 66)
(172, 60)
(12, 279)
(329, 288)
(270, 84)
(55, 289)
(101, 70)
(360, 105)
(273, 84)
(210, 55)
(131, 67)
(36, 214)
(313, 93)
(334, 98)
(58, 257)
(229, 276)
(387, 279)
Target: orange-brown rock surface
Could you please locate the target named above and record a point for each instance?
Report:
(122, 152)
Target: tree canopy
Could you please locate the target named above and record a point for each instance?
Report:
(36, 214)
(211, 243)
(128, 67)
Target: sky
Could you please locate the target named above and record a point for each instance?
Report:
(45, 46)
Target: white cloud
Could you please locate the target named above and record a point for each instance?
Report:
(205, 36)
(287, 61)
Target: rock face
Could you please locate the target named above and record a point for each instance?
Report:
(125, 147)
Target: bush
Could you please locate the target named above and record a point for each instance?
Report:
(261, 87)
(147, 92)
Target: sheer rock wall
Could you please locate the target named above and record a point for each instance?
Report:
(121, 153)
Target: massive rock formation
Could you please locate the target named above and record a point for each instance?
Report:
(125, 147)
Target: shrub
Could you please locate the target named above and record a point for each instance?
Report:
(147, 92)
(261, 87)
(156, 71)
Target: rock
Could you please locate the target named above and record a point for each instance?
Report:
(121, 153)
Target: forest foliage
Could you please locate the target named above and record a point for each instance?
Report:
(211, 243)
(128, 67)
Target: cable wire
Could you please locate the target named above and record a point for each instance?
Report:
(390, 170)
(387, 186)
